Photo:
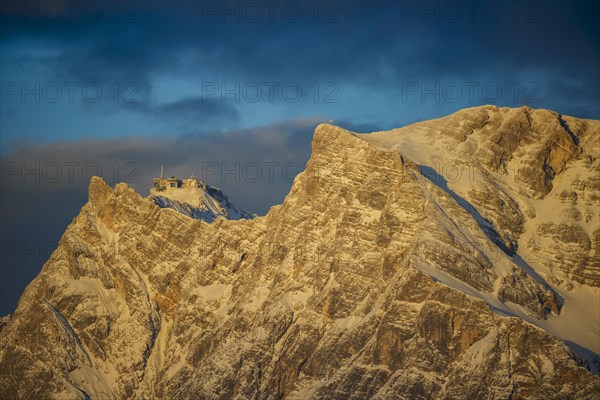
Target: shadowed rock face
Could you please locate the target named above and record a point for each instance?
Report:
(369, 281)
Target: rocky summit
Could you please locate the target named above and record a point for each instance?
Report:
(455, 258)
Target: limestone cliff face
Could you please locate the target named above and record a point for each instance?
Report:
(376, 278)
(533, 174)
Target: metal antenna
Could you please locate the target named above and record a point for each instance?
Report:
(161, 171)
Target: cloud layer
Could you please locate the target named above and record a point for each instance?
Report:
(164, 67)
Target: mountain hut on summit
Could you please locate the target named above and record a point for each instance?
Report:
(173, 182)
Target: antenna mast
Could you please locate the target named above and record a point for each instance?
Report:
(161, 171)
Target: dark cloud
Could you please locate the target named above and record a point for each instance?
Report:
(198, 111)
(426, 40)
(367, 49)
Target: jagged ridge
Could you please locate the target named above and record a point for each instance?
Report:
(370, 280)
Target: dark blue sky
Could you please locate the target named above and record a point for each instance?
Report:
(125, 87)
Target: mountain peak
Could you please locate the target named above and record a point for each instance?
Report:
(98, 191)
(410, 262)
(327, 134)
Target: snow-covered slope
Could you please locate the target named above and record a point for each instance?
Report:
(206, 203)
(534, 177)
(382, 275)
